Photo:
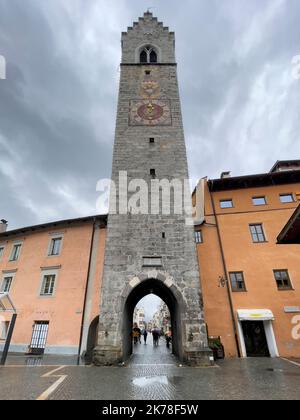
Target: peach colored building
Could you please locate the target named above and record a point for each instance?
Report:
(52, 273)
(251, 283)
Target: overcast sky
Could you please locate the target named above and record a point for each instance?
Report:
(58, 104)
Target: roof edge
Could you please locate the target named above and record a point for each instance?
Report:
(101, 218)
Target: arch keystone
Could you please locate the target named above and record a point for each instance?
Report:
(134, 282)
(169, 282)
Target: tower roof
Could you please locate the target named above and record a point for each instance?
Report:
(147, 18)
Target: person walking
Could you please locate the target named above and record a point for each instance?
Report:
(168, 338)
(136, 333)
(155, 335)
(145, 335)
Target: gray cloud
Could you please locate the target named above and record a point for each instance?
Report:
(58, 104)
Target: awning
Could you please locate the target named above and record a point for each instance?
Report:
(6, 303)
(255, 315)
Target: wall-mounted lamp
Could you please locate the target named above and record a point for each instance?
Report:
(222, 281)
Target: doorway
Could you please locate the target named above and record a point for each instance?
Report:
(158, 288)
(255, 339)
(39, 337)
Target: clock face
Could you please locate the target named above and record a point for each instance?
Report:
(150, 112)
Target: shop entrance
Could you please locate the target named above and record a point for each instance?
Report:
(255, 339)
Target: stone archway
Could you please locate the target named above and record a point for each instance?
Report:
(162, 285)
(167, 292)
(92, 339)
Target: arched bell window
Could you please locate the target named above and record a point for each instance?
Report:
(148, 55)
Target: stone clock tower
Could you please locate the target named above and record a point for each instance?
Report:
(149, 251)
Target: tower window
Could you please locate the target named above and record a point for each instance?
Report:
(153, 57)
(151, 140)
(144, 57)
(153, 173)
(148, 55)
(164, 235)
(147, 72)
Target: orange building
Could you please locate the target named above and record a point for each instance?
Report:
(247, 234)
(251, 283)
(53, 274)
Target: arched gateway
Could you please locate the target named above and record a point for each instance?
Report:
(162, 286)
(148, 248)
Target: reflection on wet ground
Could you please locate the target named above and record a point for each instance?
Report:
(153, 374)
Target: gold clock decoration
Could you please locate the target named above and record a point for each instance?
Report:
(150, 112)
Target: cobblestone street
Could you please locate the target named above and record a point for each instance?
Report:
(152, 374)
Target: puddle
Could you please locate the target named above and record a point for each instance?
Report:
(154, 380)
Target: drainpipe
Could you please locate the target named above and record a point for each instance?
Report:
(86, 290)
(226, 276)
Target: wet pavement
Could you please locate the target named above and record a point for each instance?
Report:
(155, 374)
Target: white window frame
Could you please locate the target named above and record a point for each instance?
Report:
(262, 197)
(20, 244)
(198, 235)
(2, 247)
(4, 329)
(45, 273)
(223, 201)
(5, 276)
(285, 195)
(52, 238)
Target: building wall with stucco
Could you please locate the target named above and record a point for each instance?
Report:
(256, 260)
(64, 310)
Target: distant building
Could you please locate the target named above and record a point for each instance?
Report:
(139, 317)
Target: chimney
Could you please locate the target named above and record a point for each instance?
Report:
(225, 175)
(3, 225)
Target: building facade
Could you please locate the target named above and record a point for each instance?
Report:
(53, 275)
(139, 317)
(251, 282)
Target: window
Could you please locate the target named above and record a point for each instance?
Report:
(1, 251)
(48, 285)
(15, 252)
(55, 246)
(148, 55)
(282, 279)
(237, 282)
(257, 233)
(152, 173)
(198, 237)
(4, 329)
(259, 201)
(287, 198)
(226, 204)
(6, 284)
(151, 140)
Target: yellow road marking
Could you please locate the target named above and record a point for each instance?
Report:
(46, 394)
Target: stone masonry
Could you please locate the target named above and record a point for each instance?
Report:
(133, 237)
